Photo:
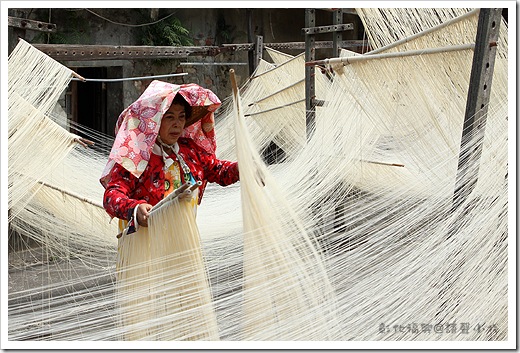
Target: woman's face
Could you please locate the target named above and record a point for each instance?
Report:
(172, 124)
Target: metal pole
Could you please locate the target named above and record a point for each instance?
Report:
(310, 54)
(79, 78)
(250, 54)
(477, 104)
(259, 47)
(337, 19)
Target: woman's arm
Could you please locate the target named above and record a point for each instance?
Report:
(220, 171)
(116, 199)
(211, 169)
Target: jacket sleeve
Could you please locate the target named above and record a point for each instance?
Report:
(219, 171)
(116, 199)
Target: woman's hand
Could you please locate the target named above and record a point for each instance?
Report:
(142, 214)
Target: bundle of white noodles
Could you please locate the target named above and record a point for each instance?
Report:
(352, 238)
(163, 290)
(273, 102)
(37, 144)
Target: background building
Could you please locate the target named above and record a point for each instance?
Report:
(98, 104)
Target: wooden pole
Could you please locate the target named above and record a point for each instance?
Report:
(276, 92)
(274, 108)
(383, 163)
(234, 85)
(81, 78)
(401, 54)
(425, 32)
(277, 66)
(71, 194)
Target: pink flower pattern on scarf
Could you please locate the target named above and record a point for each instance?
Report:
(138, 125)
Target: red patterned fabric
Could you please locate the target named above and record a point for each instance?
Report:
(124, 190)
(138, 125)
(135, 174)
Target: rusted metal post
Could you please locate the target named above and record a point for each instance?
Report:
(477, 103)
(310, 55)
(250, 54)
(259, 48)
(337, 19)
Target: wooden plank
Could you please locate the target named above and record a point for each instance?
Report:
(31, 24)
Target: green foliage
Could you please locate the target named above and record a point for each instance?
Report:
(74, 31)
(169, 32)
(224, 33)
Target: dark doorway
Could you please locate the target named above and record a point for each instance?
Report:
(96, 105)
(92, 99)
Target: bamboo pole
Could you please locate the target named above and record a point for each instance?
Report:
(277, 66)
(353, 59)
(233, 82)
(82, 141)
(383, 163)
(423, 33)
(81, 78)
(279, 107)
(71, 194)
(279, 91)
(170, 197)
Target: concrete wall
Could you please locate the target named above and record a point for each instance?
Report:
(213, 26)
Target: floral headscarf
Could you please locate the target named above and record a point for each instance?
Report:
(138, 125)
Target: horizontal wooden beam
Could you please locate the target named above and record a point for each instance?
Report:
(31, 24)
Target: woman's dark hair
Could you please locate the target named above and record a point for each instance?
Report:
(179, 99)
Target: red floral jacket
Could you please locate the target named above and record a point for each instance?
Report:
(124, 191)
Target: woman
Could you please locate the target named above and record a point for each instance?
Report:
(164, 139)
(161, 143)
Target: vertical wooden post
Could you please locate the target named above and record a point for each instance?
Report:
(17, 33)
(310, 92)
(477, 103)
